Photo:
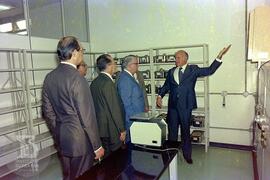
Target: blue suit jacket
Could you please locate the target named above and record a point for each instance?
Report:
(131, 95)
(183, 94)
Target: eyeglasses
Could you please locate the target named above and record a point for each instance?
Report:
(82, 50)
(135, 64)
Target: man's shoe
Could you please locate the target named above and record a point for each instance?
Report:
(189, 160)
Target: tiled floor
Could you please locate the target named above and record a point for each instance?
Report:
(217, 164)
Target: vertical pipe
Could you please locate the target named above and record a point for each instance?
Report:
(246, 43)
(29, 24)
(206, 96)
(22, 84)
(63, 17)
(93, 69)
(87, 23)
(28, 21)
(152, 78)
(29, 120)
(11, 83)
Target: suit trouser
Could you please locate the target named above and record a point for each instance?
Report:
(176, 117)
(73, 167)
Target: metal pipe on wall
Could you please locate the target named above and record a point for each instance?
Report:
(246, 43)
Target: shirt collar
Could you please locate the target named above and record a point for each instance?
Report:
(73, 65)
(183, 67)
(128, 72)
(107, 75)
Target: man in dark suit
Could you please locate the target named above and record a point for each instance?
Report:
(180, 83)
(108, 107)
(68, 109)
(130, 91)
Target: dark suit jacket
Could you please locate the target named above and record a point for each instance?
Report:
(68, 109)
(183, 94)
(109, 111)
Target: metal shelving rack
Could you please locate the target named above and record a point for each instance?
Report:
(30, 122)
(17, 111)
(18, 75)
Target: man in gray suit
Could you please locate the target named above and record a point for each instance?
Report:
(108, 107)
(139, 78)
(130, 91)
(68, 109)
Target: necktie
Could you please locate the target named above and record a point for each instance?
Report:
(135, 77)
(180, 74)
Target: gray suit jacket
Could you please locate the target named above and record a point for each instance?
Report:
(142, 84)
(108, 108)
(68, 109)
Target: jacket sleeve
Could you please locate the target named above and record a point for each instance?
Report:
(47, 111)
(206, 71)
(114, 105)
(125, 91)
(142, 83)
(166, 86)
(85, 108)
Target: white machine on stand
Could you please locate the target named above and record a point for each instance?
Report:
(259, 51)
(262, 122)
(148, 129)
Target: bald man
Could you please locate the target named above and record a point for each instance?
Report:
(180, 83)
(68, 109)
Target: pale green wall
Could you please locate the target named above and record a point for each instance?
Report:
(122, 25)
(130, 24)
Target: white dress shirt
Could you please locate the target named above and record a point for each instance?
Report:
(107, 75)
(176, 72)
(73, 65)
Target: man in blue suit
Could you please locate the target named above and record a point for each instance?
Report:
(180, 83)
(130, 90)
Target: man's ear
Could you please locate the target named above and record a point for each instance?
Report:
(74, 53)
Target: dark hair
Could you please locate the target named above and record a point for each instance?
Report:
(66, 46)
(127, 60)
(81, 64)
(102, 61)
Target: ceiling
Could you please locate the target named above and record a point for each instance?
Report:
(16, 12)
(13, 14)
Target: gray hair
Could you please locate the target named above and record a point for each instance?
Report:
(127, 60)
